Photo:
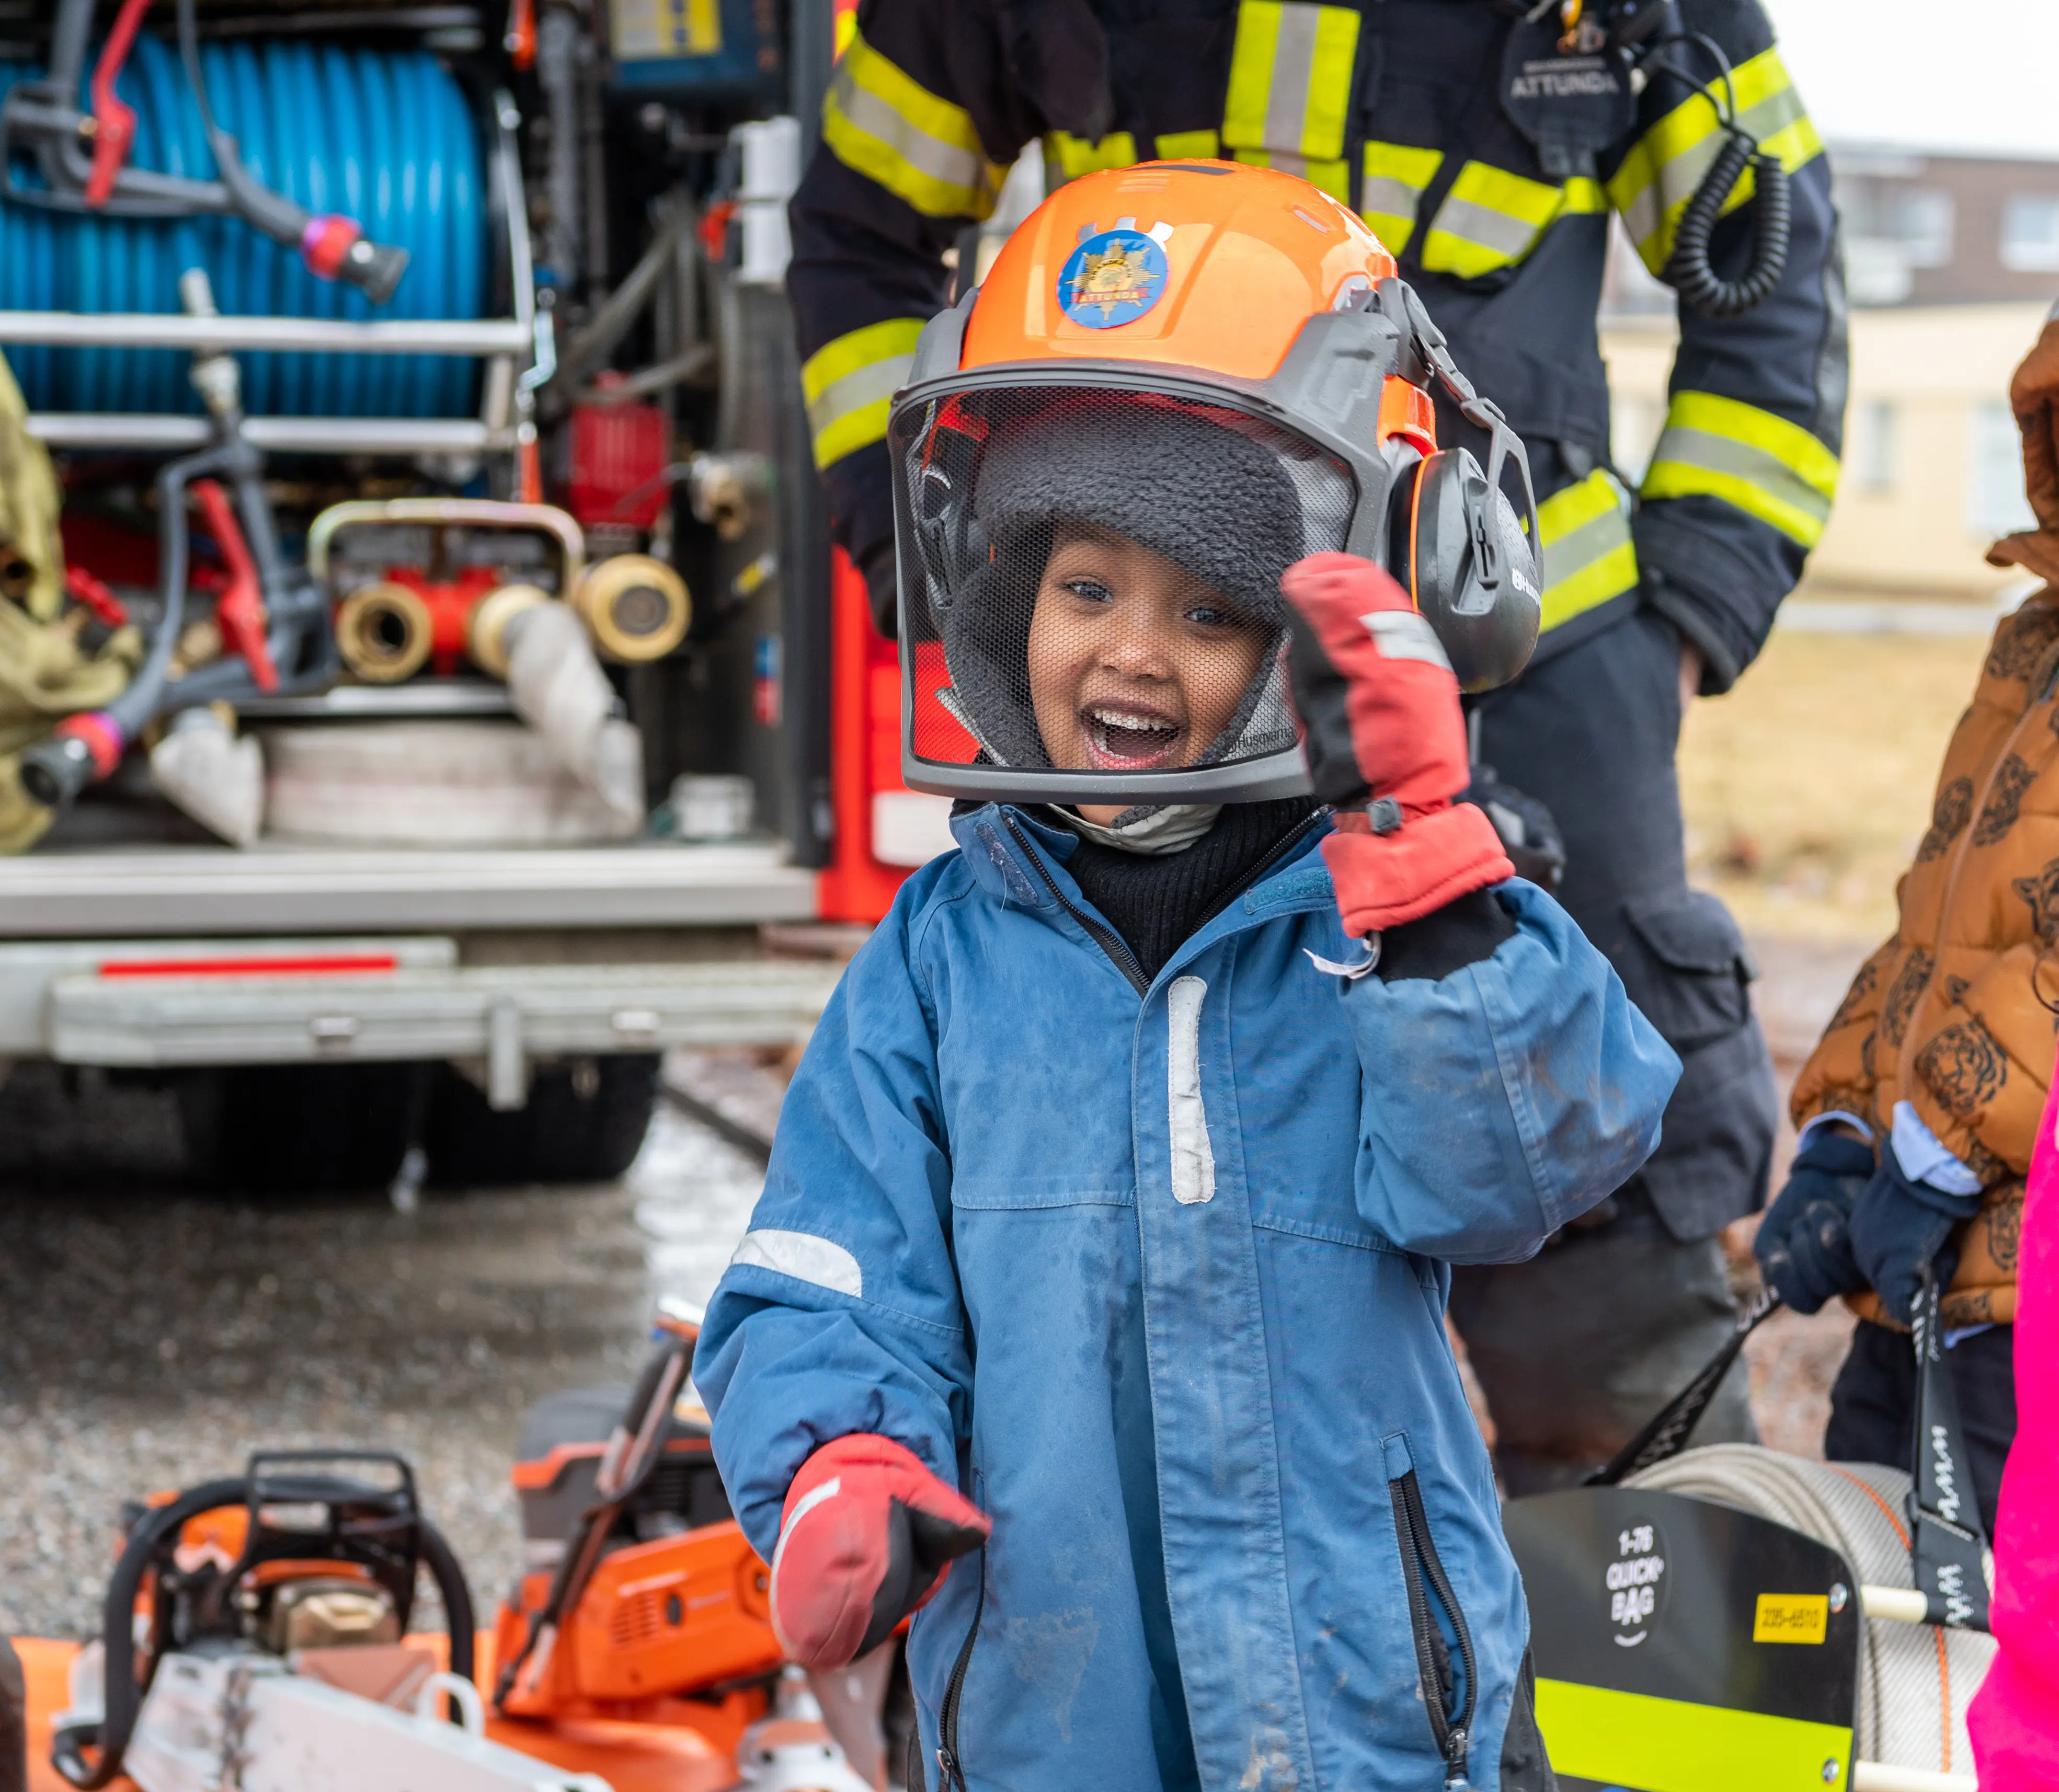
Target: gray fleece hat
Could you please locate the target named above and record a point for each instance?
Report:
(1205, 494)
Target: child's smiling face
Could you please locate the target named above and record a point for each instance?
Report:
(1134, 664)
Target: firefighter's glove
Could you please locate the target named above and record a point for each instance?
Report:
(1899, 1228)
(865, 1537)
(1804, 1245)
(1386, 744)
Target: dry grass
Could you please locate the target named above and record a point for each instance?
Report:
(1807, 787)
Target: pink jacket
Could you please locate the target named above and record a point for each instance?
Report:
(2014, 1718)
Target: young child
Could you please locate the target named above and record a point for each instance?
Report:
(1104, 1237)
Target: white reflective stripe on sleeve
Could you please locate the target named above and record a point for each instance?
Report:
(1405, 635)
(1193, 1160)
(805, 1258)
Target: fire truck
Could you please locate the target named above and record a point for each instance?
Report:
(420, 382)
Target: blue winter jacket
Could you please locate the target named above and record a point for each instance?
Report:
(1158, 1277)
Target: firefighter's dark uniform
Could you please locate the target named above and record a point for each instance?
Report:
(1396, 106)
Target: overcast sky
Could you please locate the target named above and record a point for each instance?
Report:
(1934, 74)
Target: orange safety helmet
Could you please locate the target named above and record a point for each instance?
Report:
(1216, 363)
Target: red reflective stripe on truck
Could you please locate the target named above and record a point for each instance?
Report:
(336, 964)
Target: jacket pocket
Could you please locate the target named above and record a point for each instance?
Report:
(1684, 964)
(1444, 1659)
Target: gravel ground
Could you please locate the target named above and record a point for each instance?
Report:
(156, 1336)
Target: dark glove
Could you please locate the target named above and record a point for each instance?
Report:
(865, 1537)
(1804, 1245)
(1899, 1227)
(1529, 832)
(1386, 743)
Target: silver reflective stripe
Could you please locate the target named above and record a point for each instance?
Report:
(1679, 178)
(1501, 231)
(930, 155)
(805, 1258)
(1585, 545)
(1721, 454)
(1404, 634)
(1392, 198)
(1193, 1160)
(1293, 66)
(864, 386)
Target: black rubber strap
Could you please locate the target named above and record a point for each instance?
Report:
(1666, 1432)
(1946, 1540)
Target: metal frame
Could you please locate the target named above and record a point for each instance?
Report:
(507, 344)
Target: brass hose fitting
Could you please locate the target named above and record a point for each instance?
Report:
(635, 608)
(486, 629)
(383, 632)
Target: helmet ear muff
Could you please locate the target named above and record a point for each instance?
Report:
(1468, 567)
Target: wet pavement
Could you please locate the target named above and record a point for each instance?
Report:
(155, 1336)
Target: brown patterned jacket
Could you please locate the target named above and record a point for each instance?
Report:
(1955, 1013)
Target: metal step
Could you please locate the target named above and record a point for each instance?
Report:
(287, 890)
(499, 1015)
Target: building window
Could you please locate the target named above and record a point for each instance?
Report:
(1995, 502)
(1875, 460)
(2030, 233)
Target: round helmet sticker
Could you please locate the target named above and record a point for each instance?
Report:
(1113, 278)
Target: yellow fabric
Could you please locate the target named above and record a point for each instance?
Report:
(1493, 219)
(849, 385)
(884, 124)
(1589, 558)
(1320, 109)
(29, 503)
(44, 675)
(1394, 175)
(1189, 145)
(1074, 156)
(1951, 1014)
(1659, 175)
(1767, 467)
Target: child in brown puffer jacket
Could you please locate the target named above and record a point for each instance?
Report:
(1919, 1105)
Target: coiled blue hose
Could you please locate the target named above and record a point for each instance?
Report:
(383, 136)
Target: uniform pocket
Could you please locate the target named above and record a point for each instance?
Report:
(1685, 965)
(1444, 1659)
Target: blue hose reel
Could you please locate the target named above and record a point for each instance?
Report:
(383, 136)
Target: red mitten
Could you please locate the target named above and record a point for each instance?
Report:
(1386, 744)
(866, 1536)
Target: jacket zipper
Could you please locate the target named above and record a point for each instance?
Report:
(947, 1715)
(1295, 835)
(1106, 938)
(1112, 943)
(1419, 1564)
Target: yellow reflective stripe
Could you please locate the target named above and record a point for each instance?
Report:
(1588, 556)
(1189, 145)
(850, 384)
(1074, 156)
(1664, 166)
(1390, 182)
(1492, 218)
(1290, 80)
(1769, 468)
(1333, 177)
(1667, 1745)
(888, 127)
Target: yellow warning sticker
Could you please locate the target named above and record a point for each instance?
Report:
(1791, 1618)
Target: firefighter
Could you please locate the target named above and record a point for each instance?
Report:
(1488, 146)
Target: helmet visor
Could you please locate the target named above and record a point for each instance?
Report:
(1090, 588)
